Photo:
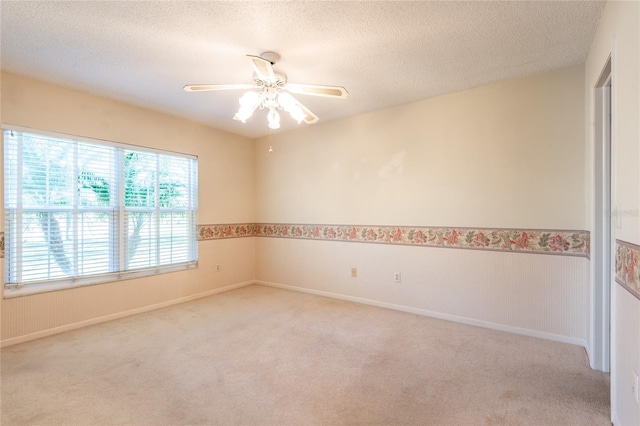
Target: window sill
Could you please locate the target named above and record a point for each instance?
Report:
(50, 286)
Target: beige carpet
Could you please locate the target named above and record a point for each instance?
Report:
(259, 355)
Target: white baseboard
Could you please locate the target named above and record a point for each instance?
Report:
(614, 418)
(590, 358)
(439, 315)
(117, 315)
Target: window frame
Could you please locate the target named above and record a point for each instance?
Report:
(118, 217)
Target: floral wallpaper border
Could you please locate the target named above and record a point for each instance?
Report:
(628, 267)
(539, 241)
(223, 231)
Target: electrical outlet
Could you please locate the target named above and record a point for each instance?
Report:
(217, 267)
(397, 277)
(636, 385)
(354, 272)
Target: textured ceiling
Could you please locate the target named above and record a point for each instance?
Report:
(384, 53)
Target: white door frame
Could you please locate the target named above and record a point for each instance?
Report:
(603, 214)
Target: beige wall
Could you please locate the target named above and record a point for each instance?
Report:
(618, 35)
(505, 155)
(508, 155)
(226, 195)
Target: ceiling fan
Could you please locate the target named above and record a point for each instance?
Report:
(271, 92)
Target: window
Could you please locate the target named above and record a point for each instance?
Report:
(81, 211)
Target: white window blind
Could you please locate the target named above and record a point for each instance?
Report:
(80, 211)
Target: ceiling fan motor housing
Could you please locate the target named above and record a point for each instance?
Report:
(272, 57)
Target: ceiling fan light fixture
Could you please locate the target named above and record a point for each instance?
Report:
(250, 100)
(244, 113)
(248, 103)
(289, 104)
(286, 101)
(274, 119)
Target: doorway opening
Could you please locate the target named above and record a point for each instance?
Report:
(604, 214)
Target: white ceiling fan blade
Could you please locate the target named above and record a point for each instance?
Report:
(208, 87)
(309, 117)
(314, 90)
(263, 68)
